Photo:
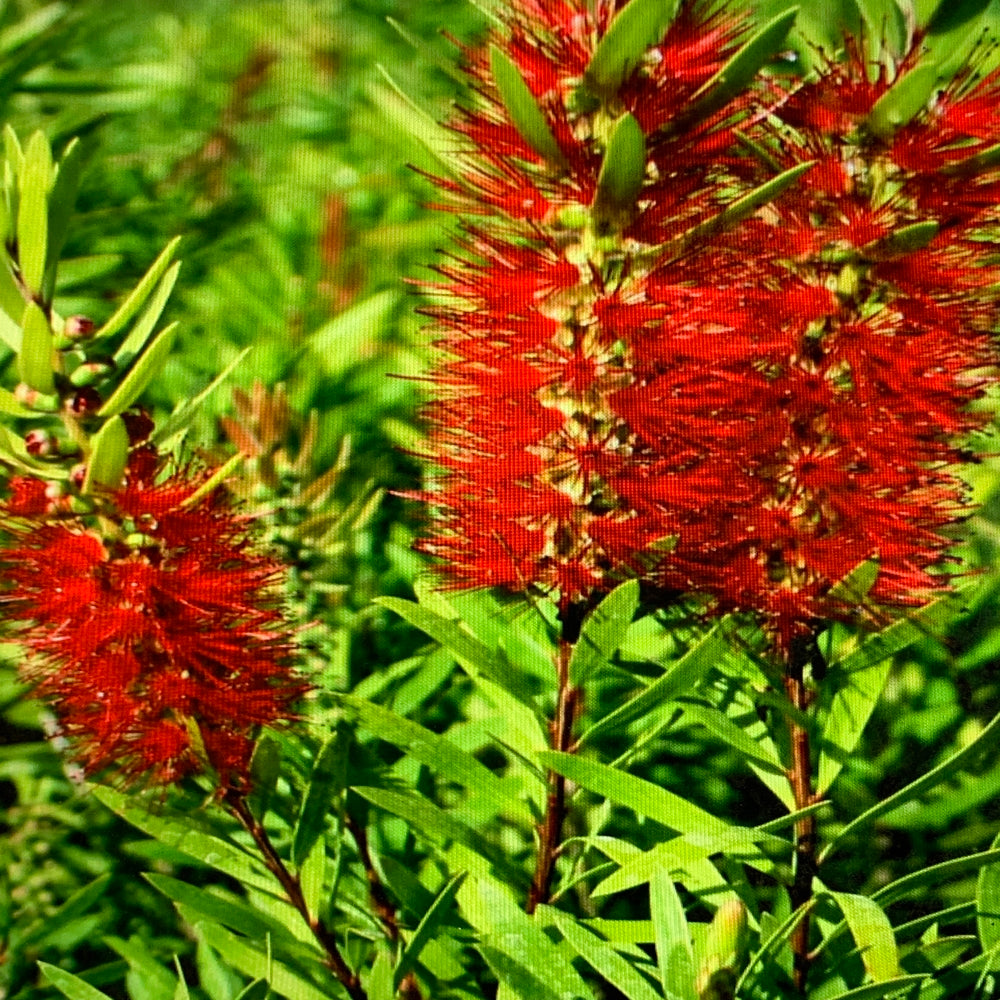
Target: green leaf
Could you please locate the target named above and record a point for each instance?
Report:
(471, 653)
(312, 876)
(674, 953)
(988, 904)
(253, 961)
(945, 770)
(598, 954)
(854, 587)
(741, 69)
(634, 29)
(437, 752)
(77, 904)
(934, 876)
(517, 947)
(872, 933)
(140, 333)
(148, 367)
(12, 303)
(622, 173)
(680, 679)
(257, 990)
(603, 631)
(518, 978)
(854, 701)
(61, 202)
(69, 985)
(471, 849)
(181, 833)
(892, 988)
(233, 913)
(901, 241)
(436, 913)
(734, 736)
(146, 979)
(902, 101)
(265, 769)
(908, 630)
(744, 207)
(352, 335)
(10, 405)
(108, 457)
(687, 862)
(34, 362)
(33, 212)
(138, 296)
(975, 164)
(326, 783)
(524, 112)
(769, 948)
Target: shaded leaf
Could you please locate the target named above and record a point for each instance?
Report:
(603, 631)
(634, 29)
(622, 173)
(674, 953)
(436, 913)
(524, 112)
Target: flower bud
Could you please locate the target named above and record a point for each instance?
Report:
(724, 947)
(78, 327)
(40, 443)
(35, 400)
(85, 402)
(90, 372)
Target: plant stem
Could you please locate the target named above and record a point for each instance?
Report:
(550, 829)
(800, 778)
(409, 989)
(293, 890)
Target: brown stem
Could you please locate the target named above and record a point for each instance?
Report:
(800, 778)
(550, 829)
(409, 989)
(293, 890)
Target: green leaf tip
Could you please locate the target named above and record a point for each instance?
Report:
(524, 111)
(622, 174)
(108, 457)
(34, 361)
(635, 28)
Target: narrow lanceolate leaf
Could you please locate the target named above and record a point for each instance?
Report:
(902, 241)
(524, 112)
(436, 752)
(10, 405)
(853, 703)
(436, 914)
(598, 954)
(635, 28)
(143, 372)
(61, 201)
(674, 953)
(34, 362)
(178, 833)
(903, 100)
(622, 174)
(976, 163)
(108, 457)
(682, 678)
(140, 333)
(746, 206)
(327, 781)
(872, 933)
(603, 631)
(69, 985)
(33, 212)
(741, 69)
(142, 291)
(988, 904)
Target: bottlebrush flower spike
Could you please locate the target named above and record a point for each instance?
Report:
(156, 637)
(762, 345)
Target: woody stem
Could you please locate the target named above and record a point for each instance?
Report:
(290, 883)
(800, 779)
(550, 829)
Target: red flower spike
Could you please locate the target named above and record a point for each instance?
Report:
(158, 641)
(787, 397)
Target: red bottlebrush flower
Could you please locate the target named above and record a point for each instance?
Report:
(784, 393)
(157, 637)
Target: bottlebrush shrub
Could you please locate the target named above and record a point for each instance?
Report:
(154, 631)
(746, 322)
